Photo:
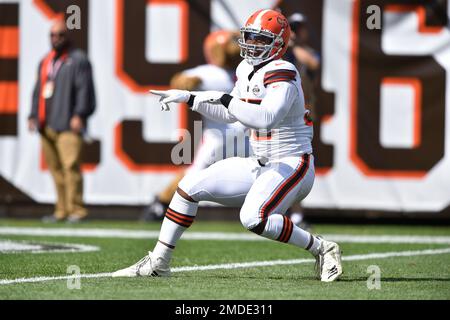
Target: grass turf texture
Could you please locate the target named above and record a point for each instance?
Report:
(415, 277)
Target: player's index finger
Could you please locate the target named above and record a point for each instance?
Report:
(158, 92)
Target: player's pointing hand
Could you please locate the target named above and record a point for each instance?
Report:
(173, 95)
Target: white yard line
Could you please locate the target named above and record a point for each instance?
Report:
(240, 236)
(350, 238)
(79, 232)
(20, 246)
(358, 257)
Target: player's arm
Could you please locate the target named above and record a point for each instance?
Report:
(209, 105)
(275, 105)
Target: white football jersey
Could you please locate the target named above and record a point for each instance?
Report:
(289, 131)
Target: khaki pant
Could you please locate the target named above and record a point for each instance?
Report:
(62, 151)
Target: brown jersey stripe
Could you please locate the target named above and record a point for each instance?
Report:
(280, 71)
(279, 75)
(277, 79)
(252, 101)
(290, 76)
(267, 82)
(256, 135)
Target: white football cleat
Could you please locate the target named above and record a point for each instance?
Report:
(148, 266)
(328, 261)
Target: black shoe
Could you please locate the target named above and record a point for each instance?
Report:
(74, 219)
(155, 211)
(51, 219)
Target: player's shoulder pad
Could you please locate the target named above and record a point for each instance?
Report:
(279, 70)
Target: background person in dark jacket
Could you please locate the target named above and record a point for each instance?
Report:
(63, 99)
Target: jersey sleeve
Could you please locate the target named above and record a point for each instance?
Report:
(280, 71)
(208, 104)
(273, 108)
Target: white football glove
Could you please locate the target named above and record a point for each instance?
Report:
(212, 97)
(173, 95)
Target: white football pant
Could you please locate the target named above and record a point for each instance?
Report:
(260, 190)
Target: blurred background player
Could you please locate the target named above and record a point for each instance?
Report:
(63, 99)
(304, 57)
(307, 62)
(222, 54)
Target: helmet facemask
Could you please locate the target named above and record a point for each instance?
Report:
(255, 54)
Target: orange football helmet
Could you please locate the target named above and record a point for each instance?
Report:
(270, 32)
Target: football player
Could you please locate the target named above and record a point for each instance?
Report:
(268, 98)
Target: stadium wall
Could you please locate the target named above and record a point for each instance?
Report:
(382, 124)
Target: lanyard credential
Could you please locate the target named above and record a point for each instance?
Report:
(48, 74)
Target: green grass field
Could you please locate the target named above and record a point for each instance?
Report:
(411, 268)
